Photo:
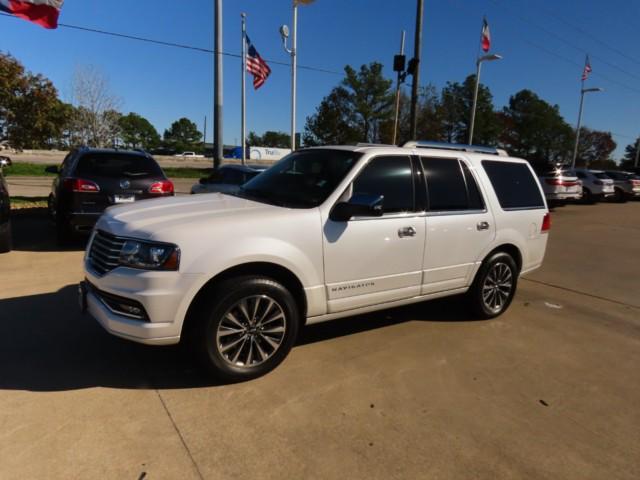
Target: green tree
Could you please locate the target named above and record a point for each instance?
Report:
(454, 113)
(137, 132)
(533, 129)
(183, 135)
(629, 158)
(270, 138)
(353, 111)
(595, 148)
(31, 115)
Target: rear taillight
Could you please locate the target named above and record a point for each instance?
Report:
(561, 183)
(162, 188)
(78, 185)
(635, 183)
(546, 223)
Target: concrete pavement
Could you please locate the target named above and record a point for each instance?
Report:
(548, 390)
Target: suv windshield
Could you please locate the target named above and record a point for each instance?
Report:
(303, 179)
(116, 165)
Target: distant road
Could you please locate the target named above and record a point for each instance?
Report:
(41, 186)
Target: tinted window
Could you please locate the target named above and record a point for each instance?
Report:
(475, 198)
(580, 175)
(450, 185)
(514, 184)
(302, 179)
(602, 176)
(391, 177)
(115, 165)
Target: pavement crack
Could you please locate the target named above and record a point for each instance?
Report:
(617, 302)
(175, 427)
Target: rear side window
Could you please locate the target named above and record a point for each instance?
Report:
(514, 185)
(450, 185)
(391, 177)
(116, 165)
(602, 176)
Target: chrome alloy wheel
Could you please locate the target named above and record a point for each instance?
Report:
(497, 287)
(251, 331)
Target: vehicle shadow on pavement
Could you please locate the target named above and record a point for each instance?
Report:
(33, 231)
(46, 344)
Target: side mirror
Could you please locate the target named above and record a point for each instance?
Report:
(358, 206)
(5, 162)
(52, 169)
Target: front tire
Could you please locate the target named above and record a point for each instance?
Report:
(494, 286)
(245, 329)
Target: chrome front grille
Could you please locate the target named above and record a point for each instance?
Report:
(104, 252)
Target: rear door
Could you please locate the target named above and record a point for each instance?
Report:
(459, 225)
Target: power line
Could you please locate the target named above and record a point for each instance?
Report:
(563, 40)
(588, 34)
(178, 45)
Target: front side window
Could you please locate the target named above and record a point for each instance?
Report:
(302, 179)
(391, 177)
(450, 185)
(514, 185)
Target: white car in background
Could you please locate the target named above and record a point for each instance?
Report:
(559, 184)
(188, 155)
(596, 185)
(626, 185)
(325, 233)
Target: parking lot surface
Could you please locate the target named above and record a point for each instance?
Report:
(548, 390)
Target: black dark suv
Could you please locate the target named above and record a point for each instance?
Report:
(5, 209)
(90, 180)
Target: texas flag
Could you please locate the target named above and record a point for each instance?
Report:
(42, 12)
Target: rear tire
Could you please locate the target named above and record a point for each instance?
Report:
(494, 287)
(6, 240)
(621, 196)
(244, 328)
(587, 196)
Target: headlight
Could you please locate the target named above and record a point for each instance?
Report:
(149, 255)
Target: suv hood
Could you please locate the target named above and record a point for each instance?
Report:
(149, 218)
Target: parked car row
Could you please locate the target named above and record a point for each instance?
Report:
(561, 184)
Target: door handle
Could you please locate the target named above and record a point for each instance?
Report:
(407, 232)
(482, 226)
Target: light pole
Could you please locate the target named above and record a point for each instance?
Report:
(575, 148)
(218, 98)
(417, 54)
(485, 58)
(635, 162)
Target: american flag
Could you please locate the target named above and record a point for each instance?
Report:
(587, 69)
(256, 66)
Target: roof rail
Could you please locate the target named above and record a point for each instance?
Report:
(364, 144)
(456, 146)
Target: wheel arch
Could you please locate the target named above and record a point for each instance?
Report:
(509, 248)
(266, 269)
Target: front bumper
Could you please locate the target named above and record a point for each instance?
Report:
(164, 296)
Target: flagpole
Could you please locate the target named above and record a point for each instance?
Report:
(575, 147)
(294, 68)
(218, 151)
(244, 89)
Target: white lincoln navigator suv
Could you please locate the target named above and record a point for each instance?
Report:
(325, 233)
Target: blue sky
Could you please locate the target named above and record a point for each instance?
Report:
(163, 83)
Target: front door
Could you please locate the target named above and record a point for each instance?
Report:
(459, 226)
(373, 260)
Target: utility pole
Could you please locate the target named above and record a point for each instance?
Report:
(416, 73)
(218, 152)
(204, 135)
(398, 65)
(635, 163)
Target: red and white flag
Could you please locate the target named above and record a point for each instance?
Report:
(587, 69)
(43, 12)
(256, 65)
(485, 38)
